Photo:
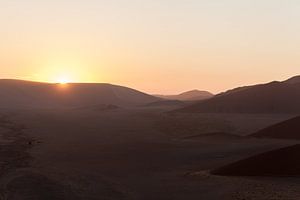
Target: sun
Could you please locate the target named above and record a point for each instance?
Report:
(63, 80)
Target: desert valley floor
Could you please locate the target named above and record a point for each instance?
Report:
(145, 153)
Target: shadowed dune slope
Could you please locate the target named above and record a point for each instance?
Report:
(289, 129)
(274, 97)
(25, 94)
(281, 162)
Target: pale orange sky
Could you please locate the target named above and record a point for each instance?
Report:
(157, 46)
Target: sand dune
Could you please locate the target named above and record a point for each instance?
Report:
(166, 103)
(215, 136)
(193, 95)
(126, 153)
(274, 97)
(281, 162)
(139, 152)
(24, 94)
(289, 129)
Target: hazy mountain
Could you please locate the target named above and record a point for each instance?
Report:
(20, 94)
(274, 97)
(289, 129)
(281, 162)
(193, 95)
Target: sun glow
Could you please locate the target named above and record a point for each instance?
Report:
(64, 71)
(63, 80)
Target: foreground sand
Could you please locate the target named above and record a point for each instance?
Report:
(134, 154)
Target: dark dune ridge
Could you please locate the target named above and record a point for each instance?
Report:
(274, 97)
(215, 136)
(100, 107)
(25, 94)
(289, 129)
(280, 162)
(193, 95)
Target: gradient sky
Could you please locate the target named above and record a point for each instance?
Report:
(157, 46)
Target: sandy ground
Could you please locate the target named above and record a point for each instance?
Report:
(138, 153)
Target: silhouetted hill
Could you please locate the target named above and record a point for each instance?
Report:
(281, 162)
(193, 95)
(274, 97)
(289, 129)
(25, 94)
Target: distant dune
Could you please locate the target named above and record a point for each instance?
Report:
(281, 162)
(289, 129)
(166, 103)
(274, 97)
(193, 95)
(25, 94)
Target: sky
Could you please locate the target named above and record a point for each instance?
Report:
(156, 46)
